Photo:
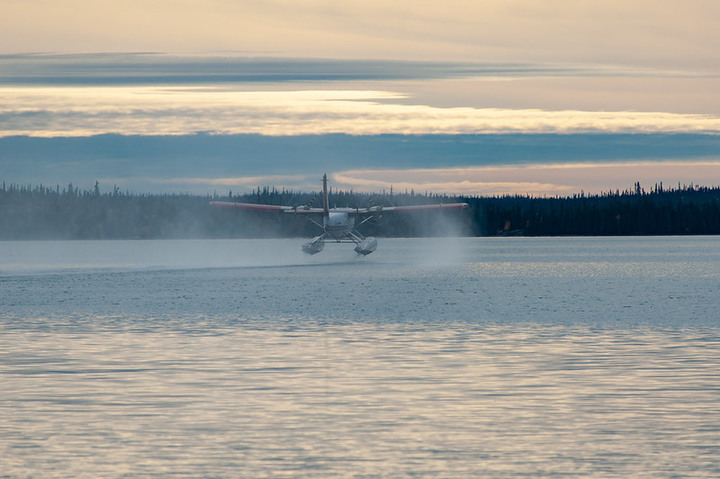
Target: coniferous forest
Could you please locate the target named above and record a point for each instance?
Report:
(41, 212)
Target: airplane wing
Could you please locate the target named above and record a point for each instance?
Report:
(373, 210)
(267, 208)
(382, 210)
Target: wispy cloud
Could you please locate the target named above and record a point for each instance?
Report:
(172, 69)
(293, 182)
(144, 110)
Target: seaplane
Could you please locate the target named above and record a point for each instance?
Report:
(338, 225)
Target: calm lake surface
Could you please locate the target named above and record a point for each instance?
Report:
(457, 357)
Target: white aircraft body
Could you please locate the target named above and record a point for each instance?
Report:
(338, 224)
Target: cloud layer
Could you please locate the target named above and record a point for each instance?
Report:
(156, 68)
(77, 111)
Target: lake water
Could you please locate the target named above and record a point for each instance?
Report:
(458, 357)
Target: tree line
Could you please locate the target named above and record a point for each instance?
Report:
(41, 212)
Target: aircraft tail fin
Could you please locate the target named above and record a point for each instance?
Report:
(326, 202)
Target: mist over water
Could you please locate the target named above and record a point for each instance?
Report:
(133, 255)
(450, 357)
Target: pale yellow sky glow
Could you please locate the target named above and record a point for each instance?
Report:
(544, 180)
(641, 32)
(537, 180)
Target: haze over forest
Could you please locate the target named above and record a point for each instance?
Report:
(38, 213)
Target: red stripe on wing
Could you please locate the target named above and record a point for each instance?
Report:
(248, 206)
(409, 209)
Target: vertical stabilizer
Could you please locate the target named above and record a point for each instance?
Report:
(326, 203)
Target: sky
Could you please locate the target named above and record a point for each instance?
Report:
(459, 97)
